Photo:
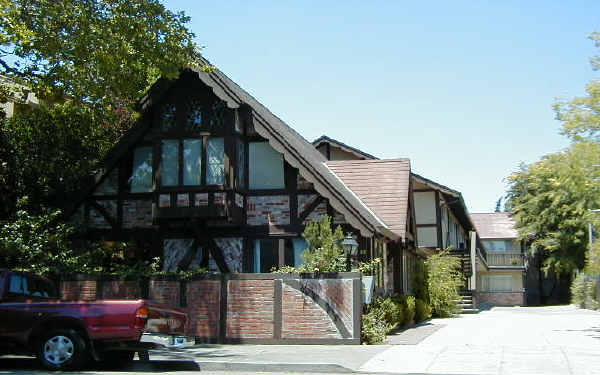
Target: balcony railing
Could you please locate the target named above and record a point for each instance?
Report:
(505, 259)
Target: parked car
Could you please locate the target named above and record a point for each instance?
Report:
(66, 334)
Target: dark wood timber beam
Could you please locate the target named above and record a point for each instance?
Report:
(311, 207)
(105, 214)
(209, 244)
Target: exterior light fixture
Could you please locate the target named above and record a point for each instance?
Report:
(350, 245)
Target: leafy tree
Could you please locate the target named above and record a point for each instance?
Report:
(46, 153)
(104, 53)
(580, 116)
(552, 198)
(90, 62)
(551, 201)
(325, 252)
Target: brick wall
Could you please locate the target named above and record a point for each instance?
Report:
(302, 318)
(137, 214)
(264, 210)
(501, 298)
(203, 301)
(119, 289)
(250, 309)
(165, 292)
(259, 308)
(78, 290)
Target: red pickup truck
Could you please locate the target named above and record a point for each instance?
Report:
(65, 334)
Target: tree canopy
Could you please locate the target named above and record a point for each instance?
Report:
(552, 199)
(105, 53)
(89, 62)
(580, 116)
(551, 202)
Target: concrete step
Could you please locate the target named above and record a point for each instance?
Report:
(469, 311)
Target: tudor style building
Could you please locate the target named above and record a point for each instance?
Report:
(210, 177)
(441, 218)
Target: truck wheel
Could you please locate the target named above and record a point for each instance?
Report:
(62, 349)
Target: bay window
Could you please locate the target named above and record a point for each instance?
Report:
(215, 154)
(192, 161)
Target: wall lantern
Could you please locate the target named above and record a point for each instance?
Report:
(350, 245)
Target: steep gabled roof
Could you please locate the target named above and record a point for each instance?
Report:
(296, 150)
(359, 153)
(495, 225)
(382, 184)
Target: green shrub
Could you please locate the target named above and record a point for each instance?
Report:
(578, 291)
(419, 282)
(590, 295)
(444, 280)
(409, 309)
(422, 311)
(583, 293)
(374, 328)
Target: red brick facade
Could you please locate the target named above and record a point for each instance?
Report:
(250, 311)
(164, 292)
(278, 308)
(501, 298)
(304, 319)
(84, 290)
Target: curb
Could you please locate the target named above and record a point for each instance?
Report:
(274, 367)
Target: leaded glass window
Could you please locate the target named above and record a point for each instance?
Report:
(168, 117)
(141, 177)
(218, 115)
(215, 155)
(192, 161)
(169, 171)
(193, 121)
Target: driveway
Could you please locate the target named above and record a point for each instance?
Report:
(519, 340)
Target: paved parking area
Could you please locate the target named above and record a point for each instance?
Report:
(521, 340)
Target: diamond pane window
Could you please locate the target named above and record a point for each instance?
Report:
(193, 121)
(169, 171)
(218, 115)
(192, 161)
(215, 155)
(167, 117)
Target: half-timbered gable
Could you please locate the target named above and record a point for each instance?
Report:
(209, 177)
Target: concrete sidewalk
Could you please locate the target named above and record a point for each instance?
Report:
(559, 340)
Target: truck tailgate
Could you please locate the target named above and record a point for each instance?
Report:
(165, 320)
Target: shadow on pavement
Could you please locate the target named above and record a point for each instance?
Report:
(28, 365)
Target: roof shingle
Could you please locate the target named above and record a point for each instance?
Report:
(383, 185)
(495, 225)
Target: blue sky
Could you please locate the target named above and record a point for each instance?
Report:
(463, 88)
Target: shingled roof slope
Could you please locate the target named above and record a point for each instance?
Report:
(382, 184)
(495, 225)
(343, 146)
(298, 152)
